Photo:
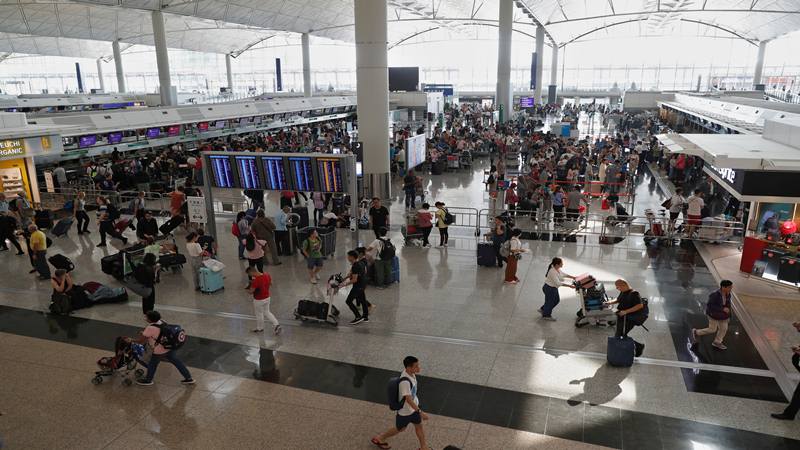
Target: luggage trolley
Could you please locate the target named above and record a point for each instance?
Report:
(321, 311)
(412, 236)
(591, 297)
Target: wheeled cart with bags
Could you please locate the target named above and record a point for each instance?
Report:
(321, 311)
(591, 298)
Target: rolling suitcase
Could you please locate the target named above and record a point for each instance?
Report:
(122, 224)
(210, 281)
(395, 270)
(620, 351)
(308, 308)
(112, 265)
(486, 256)
(62, 227)
(43, 219)
(61, 262)
(170, 225)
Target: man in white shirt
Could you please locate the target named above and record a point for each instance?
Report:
(410, 411)
(694, 211)
(676, 203)
(60, 176)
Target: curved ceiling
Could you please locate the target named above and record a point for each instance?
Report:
(85, 27)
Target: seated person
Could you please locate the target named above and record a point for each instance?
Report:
(329, 219)
(62, 284)
(147, 226)
(207, 243)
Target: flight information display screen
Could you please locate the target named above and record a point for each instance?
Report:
(302, 169)
(248, 172)
(275, 173)
(222, 170)
(330, 175)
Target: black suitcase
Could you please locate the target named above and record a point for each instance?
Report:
(43, 219)
(62, 227)
(112, 265)
(308, 308)
(60, 304)
(172, 260)
(61, 262)
(789, 270)
(486, 255)
(170, 225)
(301, 211)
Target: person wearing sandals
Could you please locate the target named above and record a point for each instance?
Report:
(410, 413)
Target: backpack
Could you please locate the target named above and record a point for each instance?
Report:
(505, 249)
(250, 243)
(235, 229)
(112, 211)
(449, 219)
(387, 251)
(60, 304)
(171, 337)
(393, 393)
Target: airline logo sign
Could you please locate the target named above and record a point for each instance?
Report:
(12, 147)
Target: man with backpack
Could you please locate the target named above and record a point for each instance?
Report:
(384, 252)
(632, 310)
(164, 339)
(718, 310)
(402, 396)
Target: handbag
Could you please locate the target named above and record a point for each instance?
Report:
(667, 203)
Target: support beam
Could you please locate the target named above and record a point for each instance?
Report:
(757, 84)
(539, 62)
(504, 97)
(118, 66)
(229, 72)
(162, 60)
(306, 65)
(551, 90)
(372, 84)
(100, 74)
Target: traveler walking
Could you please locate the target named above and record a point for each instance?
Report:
(378, 216)
(554, 278)
(675, 205)
(694, 211)
(319, 207)
(107, 214)
(254, 251)
(264, 229)
(384, 252)
(312, 250)
(718, 310)
(409, 189)
(441, 224)
(79, 211)
(498, 238)
(425, 224)
(282, 231)
(631, 312)
(515, 252)
(195, 253)
(358, 281)
(241, 229)
(154, 335)
(8, 232)
(259, 287)
(406, 403)
(794, 405)
(38, 251)
(146, 274)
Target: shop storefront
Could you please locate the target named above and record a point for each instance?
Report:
(771, 248)
(17, 170)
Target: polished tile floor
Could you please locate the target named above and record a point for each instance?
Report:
(487, 357)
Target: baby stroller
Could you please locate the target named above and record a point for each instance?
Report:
(127, 354)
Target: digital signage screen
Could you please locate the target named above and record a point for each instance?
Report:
(173, 130)
(153, 133)
(275, 173)
(115, 137)
(247, 167)
(222, 171)
(526, 102)
(202, 126)
(219, 124)
(415, 151)
(302, 170)
(330, 175)
(87, 141)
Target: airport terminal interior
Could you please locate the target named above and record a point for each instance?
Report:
(355, 224)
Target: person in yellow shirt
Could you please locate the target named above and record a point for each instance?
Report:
(38, 244)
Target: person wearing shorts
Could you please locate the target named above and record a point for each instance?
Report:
(410, 413)
(312, 250)
(694, 211)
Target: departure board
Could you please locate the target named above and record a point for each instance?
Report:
(275, 173)
(222, 171)
(330, 175)
(302, 169)
(247, 166)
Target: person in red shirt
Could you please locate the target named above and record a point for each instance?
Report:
(259, 287)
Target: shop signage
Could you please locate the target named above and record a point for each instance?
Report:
(12, 147)
(726, 174)
(756, 183)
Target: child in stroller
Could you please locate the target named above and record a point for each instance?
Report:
(127, 354)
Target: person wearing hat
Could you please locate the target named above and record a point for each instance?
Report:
(440, 214)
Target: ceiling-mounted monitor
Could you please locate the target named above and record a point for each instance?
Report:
(403, 79)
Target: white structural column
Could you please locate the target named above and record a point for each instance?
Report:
(762, 48)
(100, 74)
(306, 65)
(118, 66)
(372, 84)
(504, 97)
(229, 72)
(539, 62)
(162, 60)
(551, 90)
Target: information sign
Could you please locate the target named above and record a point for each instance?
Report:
(222, 170)
(249, 178)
